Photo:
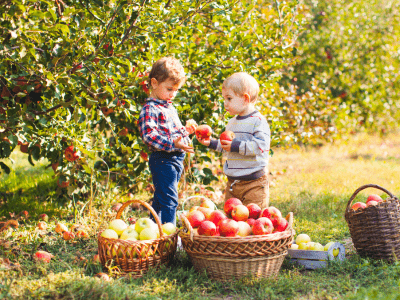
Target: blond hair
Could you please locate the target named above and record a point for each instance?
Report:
(241, 83)
(167, 68)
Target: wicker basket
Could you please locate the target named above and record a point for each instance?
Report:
(375, 230)
(226, 258)
(136, 257)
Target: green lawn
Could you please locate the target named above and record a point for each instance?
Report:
(315, 184)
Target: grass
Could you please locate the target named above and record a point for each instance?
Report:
(315, 184)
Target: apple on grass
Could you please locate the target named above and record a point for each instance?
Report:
(272, 213)
(230, 204)
(240, 213)
(228, 228)
(358, 205)
(262, 226)
(68, 235)
(244, 229)
(43, 256)
(60, 228)
(44, 217)
(42, 225)
(254, 210)
(217, 216)
(207, 228)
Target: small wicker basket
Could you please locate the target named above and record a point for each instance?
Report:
(227, 258)
(136, 257)
(375, 230)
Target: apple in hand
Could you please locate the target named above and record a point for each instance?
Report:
(262, 225)
(228, 228)
(217, 216)
(195, 218)
(143, 223)
(254, 210)
(240, 213)
(374, 197)
(118, 226)
(207, 228)
(358, 205)
(244, 229)
(271, 213)
(203, 132)
(227, 136)
(230, 204)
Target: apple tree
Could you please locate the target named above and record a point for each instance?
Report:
(73, 76)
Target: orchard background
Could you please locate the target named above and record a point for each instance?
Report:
(73, 81)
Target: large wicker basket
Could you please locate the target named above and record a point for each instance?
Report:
(375, 230)
(136, 257)
(227, 258)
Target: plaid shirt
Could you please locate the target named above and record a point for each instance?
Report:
(159, 126)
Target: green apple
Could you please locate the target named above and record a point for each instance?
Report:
(109, 234)
(118, 226)
(129, 233)
(335, 252)
(168, 228)
(310, 246)
(318, 247)
(143, 223)
(294, 247)
(326, 247)
(303, 246)
(149, 233)
(302, 238)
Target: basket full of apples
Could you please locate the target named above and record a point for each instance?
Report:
(137, 247)
(238, 241)
(375, 225)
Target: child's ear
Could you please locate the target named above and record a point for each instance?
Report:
(153, 82)
(246, 97)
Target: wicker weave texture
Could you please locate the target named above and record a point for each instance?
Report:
(375, 230)
(232, 268)
(136, 257)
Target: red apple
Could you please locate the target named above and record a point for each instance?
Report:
(271, 213)
(206, 211)
(372, 203)
(251, 221)
(203, 132)
(195, 218)
(281, 224)
(254, 210)
(208, 204)
(43, 256)
(358, 205)
(374, 197)
(82, 234)
(230, 204)
(54, 166)
(217, 216)
(44, 217)
(68, 235)
(244, 229)
(227, 136)
(42, 225)
(262, 225)
(240, 213)
(24, 147)
(228, 228)
(207, 228)
(96, 258)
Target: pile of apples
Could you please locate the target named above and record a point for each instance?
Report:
(237, 220)
(143, 229)
(303, 242)
(372, 200)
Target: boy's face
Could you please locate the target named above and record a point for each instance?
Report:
(234, 104)
(165, 90)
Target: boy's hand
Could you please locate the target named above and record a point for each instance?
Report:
(191, 126)
(178, 143)
(205, 142)
(226, 145)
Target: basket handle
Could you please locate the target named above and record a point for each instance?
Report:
(289, 218)
(145, 204)
(188, 226)
(364, 187)
(196, 196)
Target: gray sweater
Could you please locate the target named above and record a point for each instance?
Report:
(248, 158)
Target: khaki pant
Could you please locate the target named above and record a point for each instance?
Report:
(252, 191)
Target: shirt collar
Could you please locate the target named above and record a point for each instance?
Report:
(163, 102)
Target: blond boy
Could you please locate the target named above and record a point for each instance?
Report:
(247, 154)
